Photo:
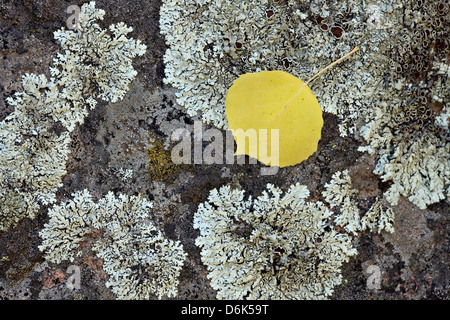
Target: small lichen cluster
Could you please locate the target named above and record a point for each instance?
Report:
(276, 246)
(140, 261)
(69, 223)
(378, 218)
(35, 137)
(96, 62)
(342, 198)
(338, 193)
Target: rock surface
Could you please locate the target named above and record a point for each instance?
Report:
(413, 261)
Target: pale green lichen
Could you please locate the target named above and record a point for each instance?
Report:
(212, 43)
(338, 193)
(33, 154)
(415, 159)
(96, 62)
(276, 246)
(69, 223)
(378, 218)
(140, 261)
(343, 199)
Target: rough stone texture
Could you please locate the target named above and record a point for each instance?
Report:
(413, 261)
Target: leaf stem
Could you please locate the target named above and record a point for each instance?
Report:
(314, 77)
(332, 64)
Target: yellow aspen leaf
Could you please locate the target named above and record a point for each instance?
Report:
(258, 103)
(275, 116)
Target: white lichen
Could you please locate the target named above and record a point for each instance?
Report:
(277, 246)
(33, 146)
(378, 218)
(338, 193)
(32, 154)
(69, 223)
(417, 162)
(140, 261)
(124, 174)
(212, 43)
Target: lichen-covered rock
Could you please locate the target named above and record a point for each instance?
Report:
(212, 43)
(69, 223)
(32, 153)
(277, 246)
(33, 146)
(416, 160)
(407, 125)
(140, 261)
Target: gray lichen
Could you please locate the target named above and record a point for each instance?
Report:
(140, 261)
(211, 44)
(412, 151)
(343, 199)
(277, 246)
(33, 151)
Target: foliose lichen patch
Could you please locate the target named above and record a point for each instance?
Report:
(342, 197)
(276, 246)
(139, 260)
(211, 44)
(34, 138)
(397, 83)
